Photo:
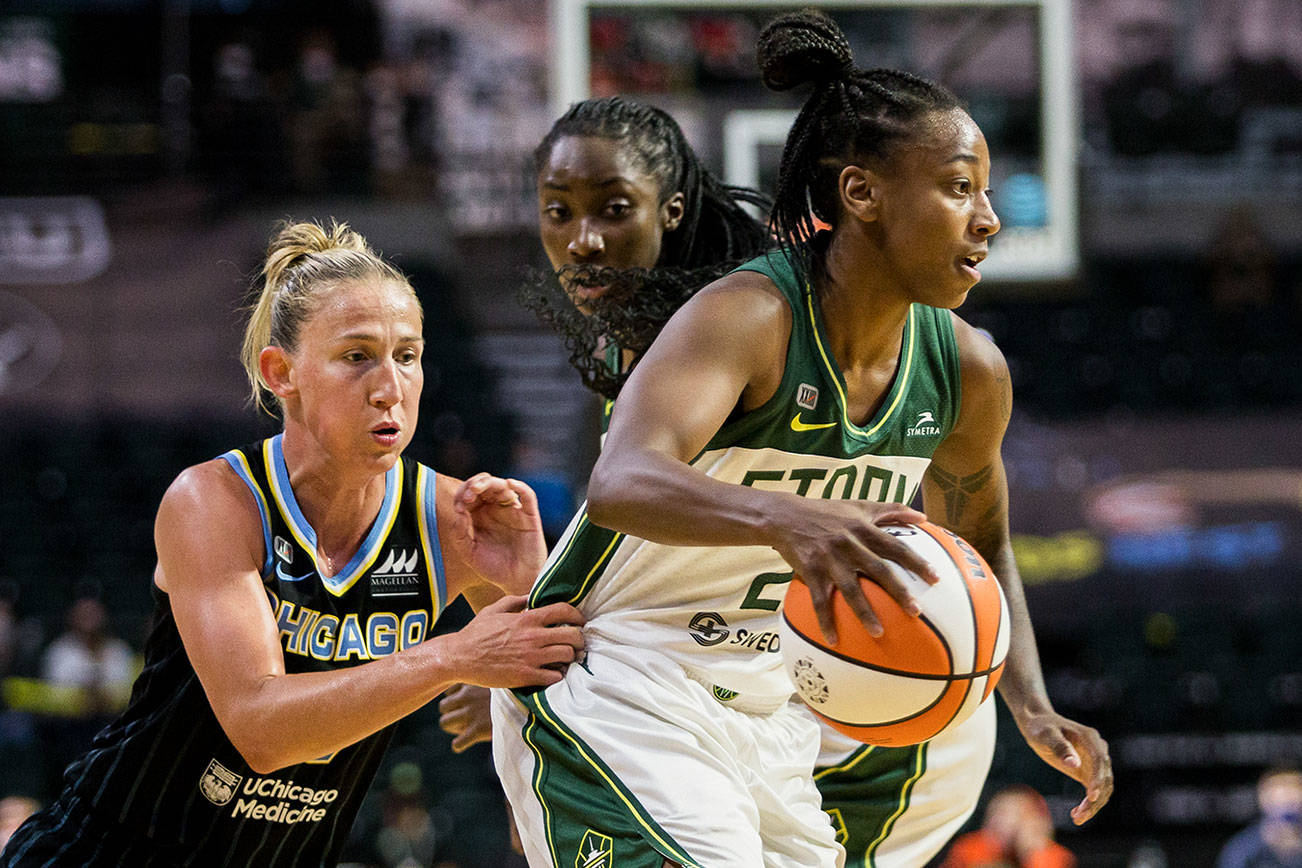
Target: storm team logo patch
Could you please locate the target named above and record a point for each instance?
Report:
(218, 784)
(595, 851)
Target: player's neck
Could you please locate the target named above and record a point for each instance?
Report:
(339, 503)
(863, 312)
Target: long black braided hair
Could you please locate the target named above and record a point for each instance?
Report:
(851, 115)
(715, 235)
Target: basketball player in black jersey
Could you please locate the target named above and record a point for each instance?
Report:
(297, 581)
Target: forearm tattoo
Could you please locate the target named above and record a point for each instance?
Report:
(958, 490)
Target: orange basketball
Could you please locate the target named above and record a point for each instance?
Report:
(925, 673)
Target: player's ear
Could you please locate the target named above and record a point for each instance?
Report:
(861, 190)
(277, 371)
(671, 212)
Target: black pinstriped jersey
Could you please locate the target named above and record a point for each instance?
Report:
(165, 771)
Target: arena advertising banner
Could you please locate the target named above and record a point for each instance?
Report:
(1129, 511)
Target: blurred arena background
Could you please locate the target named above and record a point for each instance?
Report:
(147, 147)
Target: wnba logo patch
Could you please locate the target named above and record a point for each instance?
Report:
(806, 396)
(284, 550)
(218, 784)
(595, 851)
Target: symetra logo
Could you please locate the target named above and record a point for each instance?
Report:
(397, 576)
(924, 426)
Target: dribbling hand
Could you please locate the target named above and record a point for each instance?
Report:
(831, 543)
(507, 645)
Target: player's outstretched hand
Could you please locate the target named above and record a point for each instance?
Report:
(831, 543)
(497, 530)
(507, 645)
(1076, 750)
(464, 714)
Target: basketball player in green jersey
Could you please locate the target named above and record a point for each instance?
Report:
(298, 581)
(633, 224)
(892, 807)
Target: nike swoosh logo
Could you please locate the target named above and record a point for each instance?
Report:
(280, 572)
(797, 425)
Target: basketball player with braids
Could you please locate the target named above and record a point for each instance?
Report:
(804, 380)
(586, 225)
(891, 162)
(632, 225)
(298, 579)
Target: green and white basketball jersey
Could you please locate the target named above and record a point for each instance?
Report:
(714, 610)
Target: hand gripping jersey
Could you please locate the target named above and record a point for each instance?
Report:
(164, 785)
(713, 610)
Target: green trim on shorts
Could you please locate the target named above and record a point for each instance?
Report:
(574, 571)
(587, 810)
(867, 793)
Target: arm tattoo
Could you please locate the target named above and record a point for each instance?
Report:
(958, 489)
(987, 533)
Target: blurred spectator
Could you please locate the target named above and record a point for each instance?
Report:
(1018, 833)
(1142, 102)
(1274, 841)
(1240, 264)
(8, 636)
(327, 130)
(1149, 854)
(88, 658)
(407, 836)
(13, 810)
(240, 127)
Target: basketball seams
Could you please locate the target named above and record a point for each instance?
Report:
(886, 670)
(946, 540)
(947, 546)
(908, 673)
(869, 727)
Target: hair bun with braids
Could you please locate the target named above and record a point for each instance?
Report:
(800, 47)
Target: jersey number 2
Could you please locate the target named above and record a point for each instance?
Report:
(763, 580)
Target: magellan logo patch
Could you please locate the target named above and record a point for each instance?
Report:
(398, 563)
(397, 576)
(218, 783)
(595, 851)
